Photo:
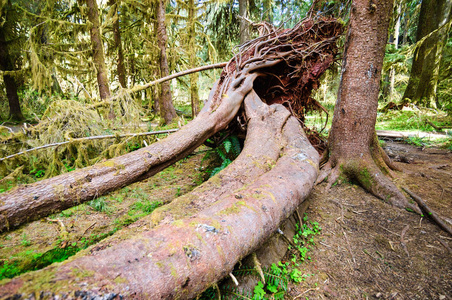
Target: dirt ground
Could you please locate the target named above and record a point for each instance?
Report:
(366, 249)
(370, 250)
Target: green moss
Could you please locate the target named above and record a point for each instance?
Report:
(79, 273)
(120, 280)
(173, 270)
(234, 209)
(365, 178)
(108, 164)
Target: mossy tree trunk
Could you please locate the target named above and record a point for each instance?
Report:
(182, 249)
(7, 62)
(192, 57)
(120, 68)
(353, 148)
(98, 52)
(434, 27)
(268, 11)
(167, 111)
(397, 20)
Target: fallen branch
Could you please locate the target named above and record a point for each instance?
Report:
(178, 74)
(89, 138)
(429, 211)
(433, 125)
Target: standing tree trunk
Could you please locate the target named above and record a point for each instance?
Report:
(268, 11)
(98, 53)
(352, 144)
(167, 111)
(6, 64)
(192, 58)
(434, 16)
(120, 68)
(244, 27)
(396, 46)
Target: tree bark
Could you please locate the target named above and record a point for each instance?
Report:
(6, 64)
(352, 144)
(180, 257)
(421, 88)
(167, 111)
(98, 52)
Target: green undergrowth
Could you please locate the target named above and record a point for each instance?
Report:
(278, 275)
(413, 120)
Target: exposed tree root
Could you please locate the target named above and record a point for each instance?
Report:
(430, 213)
(367, 171)
(181, 249)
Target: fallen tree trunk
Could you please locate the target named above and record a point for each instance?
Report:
(287, 65)
(181, 257)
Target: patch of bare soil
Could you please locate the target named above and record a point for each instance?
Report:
(370, 250)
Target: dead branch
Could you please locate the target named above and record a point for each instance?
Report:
(428, 210)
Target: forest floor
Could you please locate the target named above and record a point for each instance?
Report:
(366, 249)
(370, 250)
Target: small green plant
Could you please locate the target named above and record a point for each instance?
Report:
(278, 275)
(259, 291)
(99, 204)
(25, 242)
(227, 151)
(146, 206)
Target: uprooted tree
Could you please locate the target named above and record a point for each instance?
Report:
(186, 246)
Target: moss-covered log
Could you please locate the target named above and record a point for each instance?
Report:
(179, 258)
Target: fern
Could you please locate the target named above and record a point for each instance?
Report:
(236, 147)
(234, 293)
